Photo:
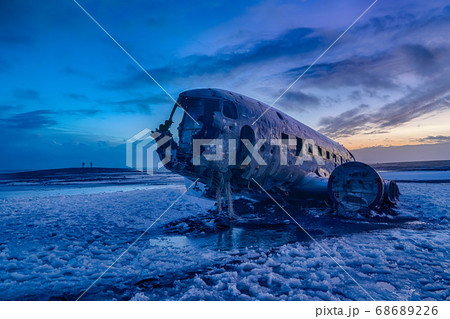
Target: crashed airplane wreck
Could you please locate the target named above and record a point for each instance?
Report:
(229, 148)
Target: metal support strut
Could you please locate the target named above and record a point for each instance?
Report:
(221, 183)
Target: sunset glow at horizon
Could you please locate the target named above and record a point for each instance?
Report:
(70, 94)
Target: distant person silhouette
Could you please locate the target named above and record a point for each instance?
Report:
(82, 165)
(91, 164)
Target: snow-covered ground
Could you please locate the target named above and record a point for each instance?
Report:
(57, 238)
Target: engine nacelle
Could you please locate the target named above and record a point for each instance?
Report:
(355, 186)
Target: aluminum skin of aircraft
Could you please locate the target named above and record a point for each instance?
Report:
(225, 147)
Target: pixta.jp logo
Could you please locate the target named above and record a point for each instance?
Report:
(141, 151)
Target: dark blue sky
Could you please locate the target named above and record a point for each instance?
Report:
(69, 94)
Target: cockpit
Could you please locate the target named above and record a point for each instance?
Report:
(202, 110)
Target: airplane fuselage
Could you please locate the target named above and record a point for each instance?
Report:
(223, 139)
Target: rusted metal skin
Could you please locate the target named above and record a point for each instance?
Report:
(228, 117)
(356, 185)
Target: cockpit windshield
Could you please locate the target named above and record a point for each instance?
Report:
(198, 107)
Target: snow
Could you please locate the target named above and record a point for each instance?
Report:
(56, 243)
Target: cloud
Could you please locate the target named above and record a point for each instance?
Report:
(347, 123)
(7, 108)
(430, 92)
(410, 107)
(299, 101)
(300, 41)
(83, 112)
(424, 20)
(355, 121)
(12, 18)
(76, 97)
(27, 94)
(354, 71)
(77, 72)
(145, 103)
(434, 139)
(374, 72)
(423, 60)
(29, 120)
(142, 104)
(366, 61)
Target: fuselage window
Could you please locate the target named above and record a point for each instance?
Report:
(319, 149)
(299, 146)
(310, 149)
(334, 158)
(229, 110)
(328, 155)
(280, 117)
